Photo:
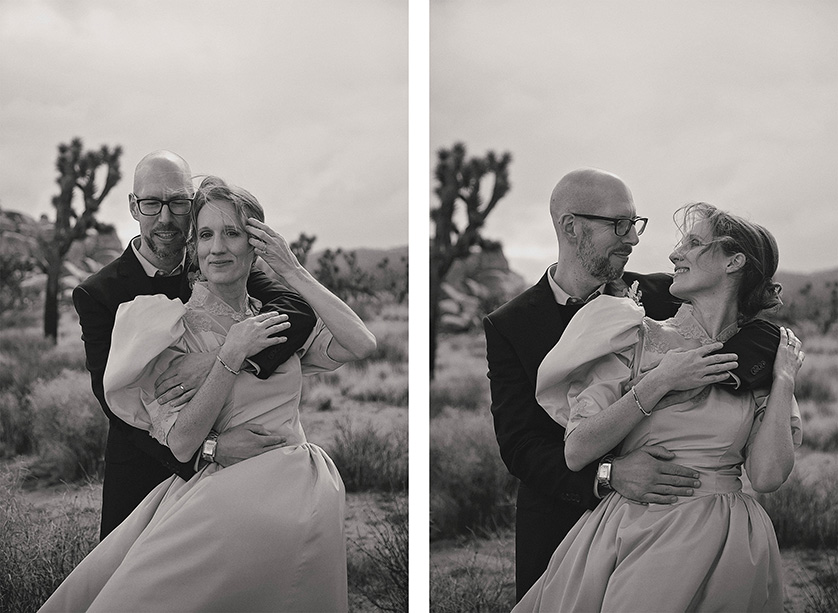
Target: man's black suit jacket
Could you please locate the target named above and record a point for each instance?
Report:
(135, 462)
(551, 498)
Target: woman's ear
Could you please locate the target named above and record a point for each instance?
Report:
(736, 263)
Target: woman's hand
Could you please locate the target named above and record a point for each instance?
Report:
(789, 356)
(271, 247)
(687, 369)
(250, 336)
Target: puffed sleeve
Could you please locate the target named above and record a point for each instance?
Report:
(585, 371)
(314, 354)
(795, 421)
(147, 336)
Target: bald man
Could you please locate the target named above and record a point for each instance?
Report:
(156, 262)
(597, 227)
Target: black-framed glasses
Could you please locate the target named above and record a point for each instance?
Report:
(622, 225)
(153, 206)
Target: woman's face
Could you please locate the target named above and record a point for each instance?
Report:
(697, 270)
(224, 254)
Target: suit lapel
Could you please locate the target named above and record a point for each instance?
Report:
(130, 267)
(545, 326)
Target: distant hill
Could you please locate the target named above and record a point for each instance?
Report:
(819, 282)
(382, 265)
(19, 232)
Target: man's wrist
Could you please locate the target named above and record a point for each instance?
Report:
(209, 447)
(602, 483)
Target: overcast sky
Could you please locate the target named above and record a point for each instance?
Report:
(733, 103)
(302, 102)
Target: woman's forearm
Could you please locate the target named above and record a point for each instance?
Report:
(771, 454)
(352, 339)
(196, 418)
(595, 436)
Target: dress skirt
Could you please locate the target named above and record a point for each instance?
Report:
(265, 534)
(716, 552)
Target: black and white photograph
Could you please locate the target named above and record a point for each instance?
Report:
(204, 306)
(418, 305)
(633, 305)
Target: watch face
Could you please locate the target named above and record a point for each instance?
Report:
(604, 471)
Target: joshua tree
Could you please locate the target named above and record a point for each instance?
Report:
(459, 181)
(76, 171)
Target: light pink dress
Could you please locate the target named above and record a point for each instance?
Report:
(715, 551)
(265, 534)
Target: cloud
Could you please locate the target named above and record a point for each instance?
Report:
(733, 103)
(303, 103)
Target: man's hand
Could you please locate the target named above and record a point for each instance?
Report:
(180, 382)
(243, 442)
(646, 475)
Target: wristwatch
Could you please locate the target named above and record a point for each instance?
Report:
(603, 474)
(210, 444)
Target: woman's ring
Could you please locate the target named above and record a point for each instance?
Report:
(182, 389)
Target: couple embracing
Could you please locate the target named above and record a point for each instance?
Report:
(213, 499)
(627, 405)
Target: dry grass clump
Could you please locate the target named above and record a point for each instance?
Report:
(480, 577)
(26, 359)
(804, 510)
(471, 490)
(39, 548)
(377, 566)
(369, 459)
(69, 429)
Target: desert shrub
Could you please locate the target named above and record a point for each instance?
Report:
(815, 384)
(464, 390)
(822, 590)
(804, 514)
(391, 341)
(460, 380)
(823, 438)
(471, 490)
(393, 311)
(27, 357)
(320, 397)
(16, 436)
(376, 382)
(39, 548)
(69, 428)
(471, 587)
(378, 568)
(369, 460)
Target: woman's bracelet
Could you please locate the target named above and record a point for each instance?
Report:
(235, 372)
(636, 400)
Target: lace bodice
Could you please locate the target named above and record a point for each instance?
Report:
(207, 312)
(663, 336)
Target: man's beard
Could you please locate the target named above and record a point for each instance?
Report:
(596, 265)
(168, 251)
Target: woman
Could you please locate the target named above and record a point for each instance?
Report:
(621, 379)
(265, 534)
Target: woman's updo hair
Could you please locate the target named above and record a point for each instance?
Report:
(732, 234)
(214, 189)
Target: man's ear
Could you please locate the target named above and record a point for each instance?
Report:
(736, 263)
(567, 226)
(132, 206)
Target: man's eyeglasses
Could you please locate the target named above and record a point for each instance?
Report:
(153, 206)
(621, 224)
